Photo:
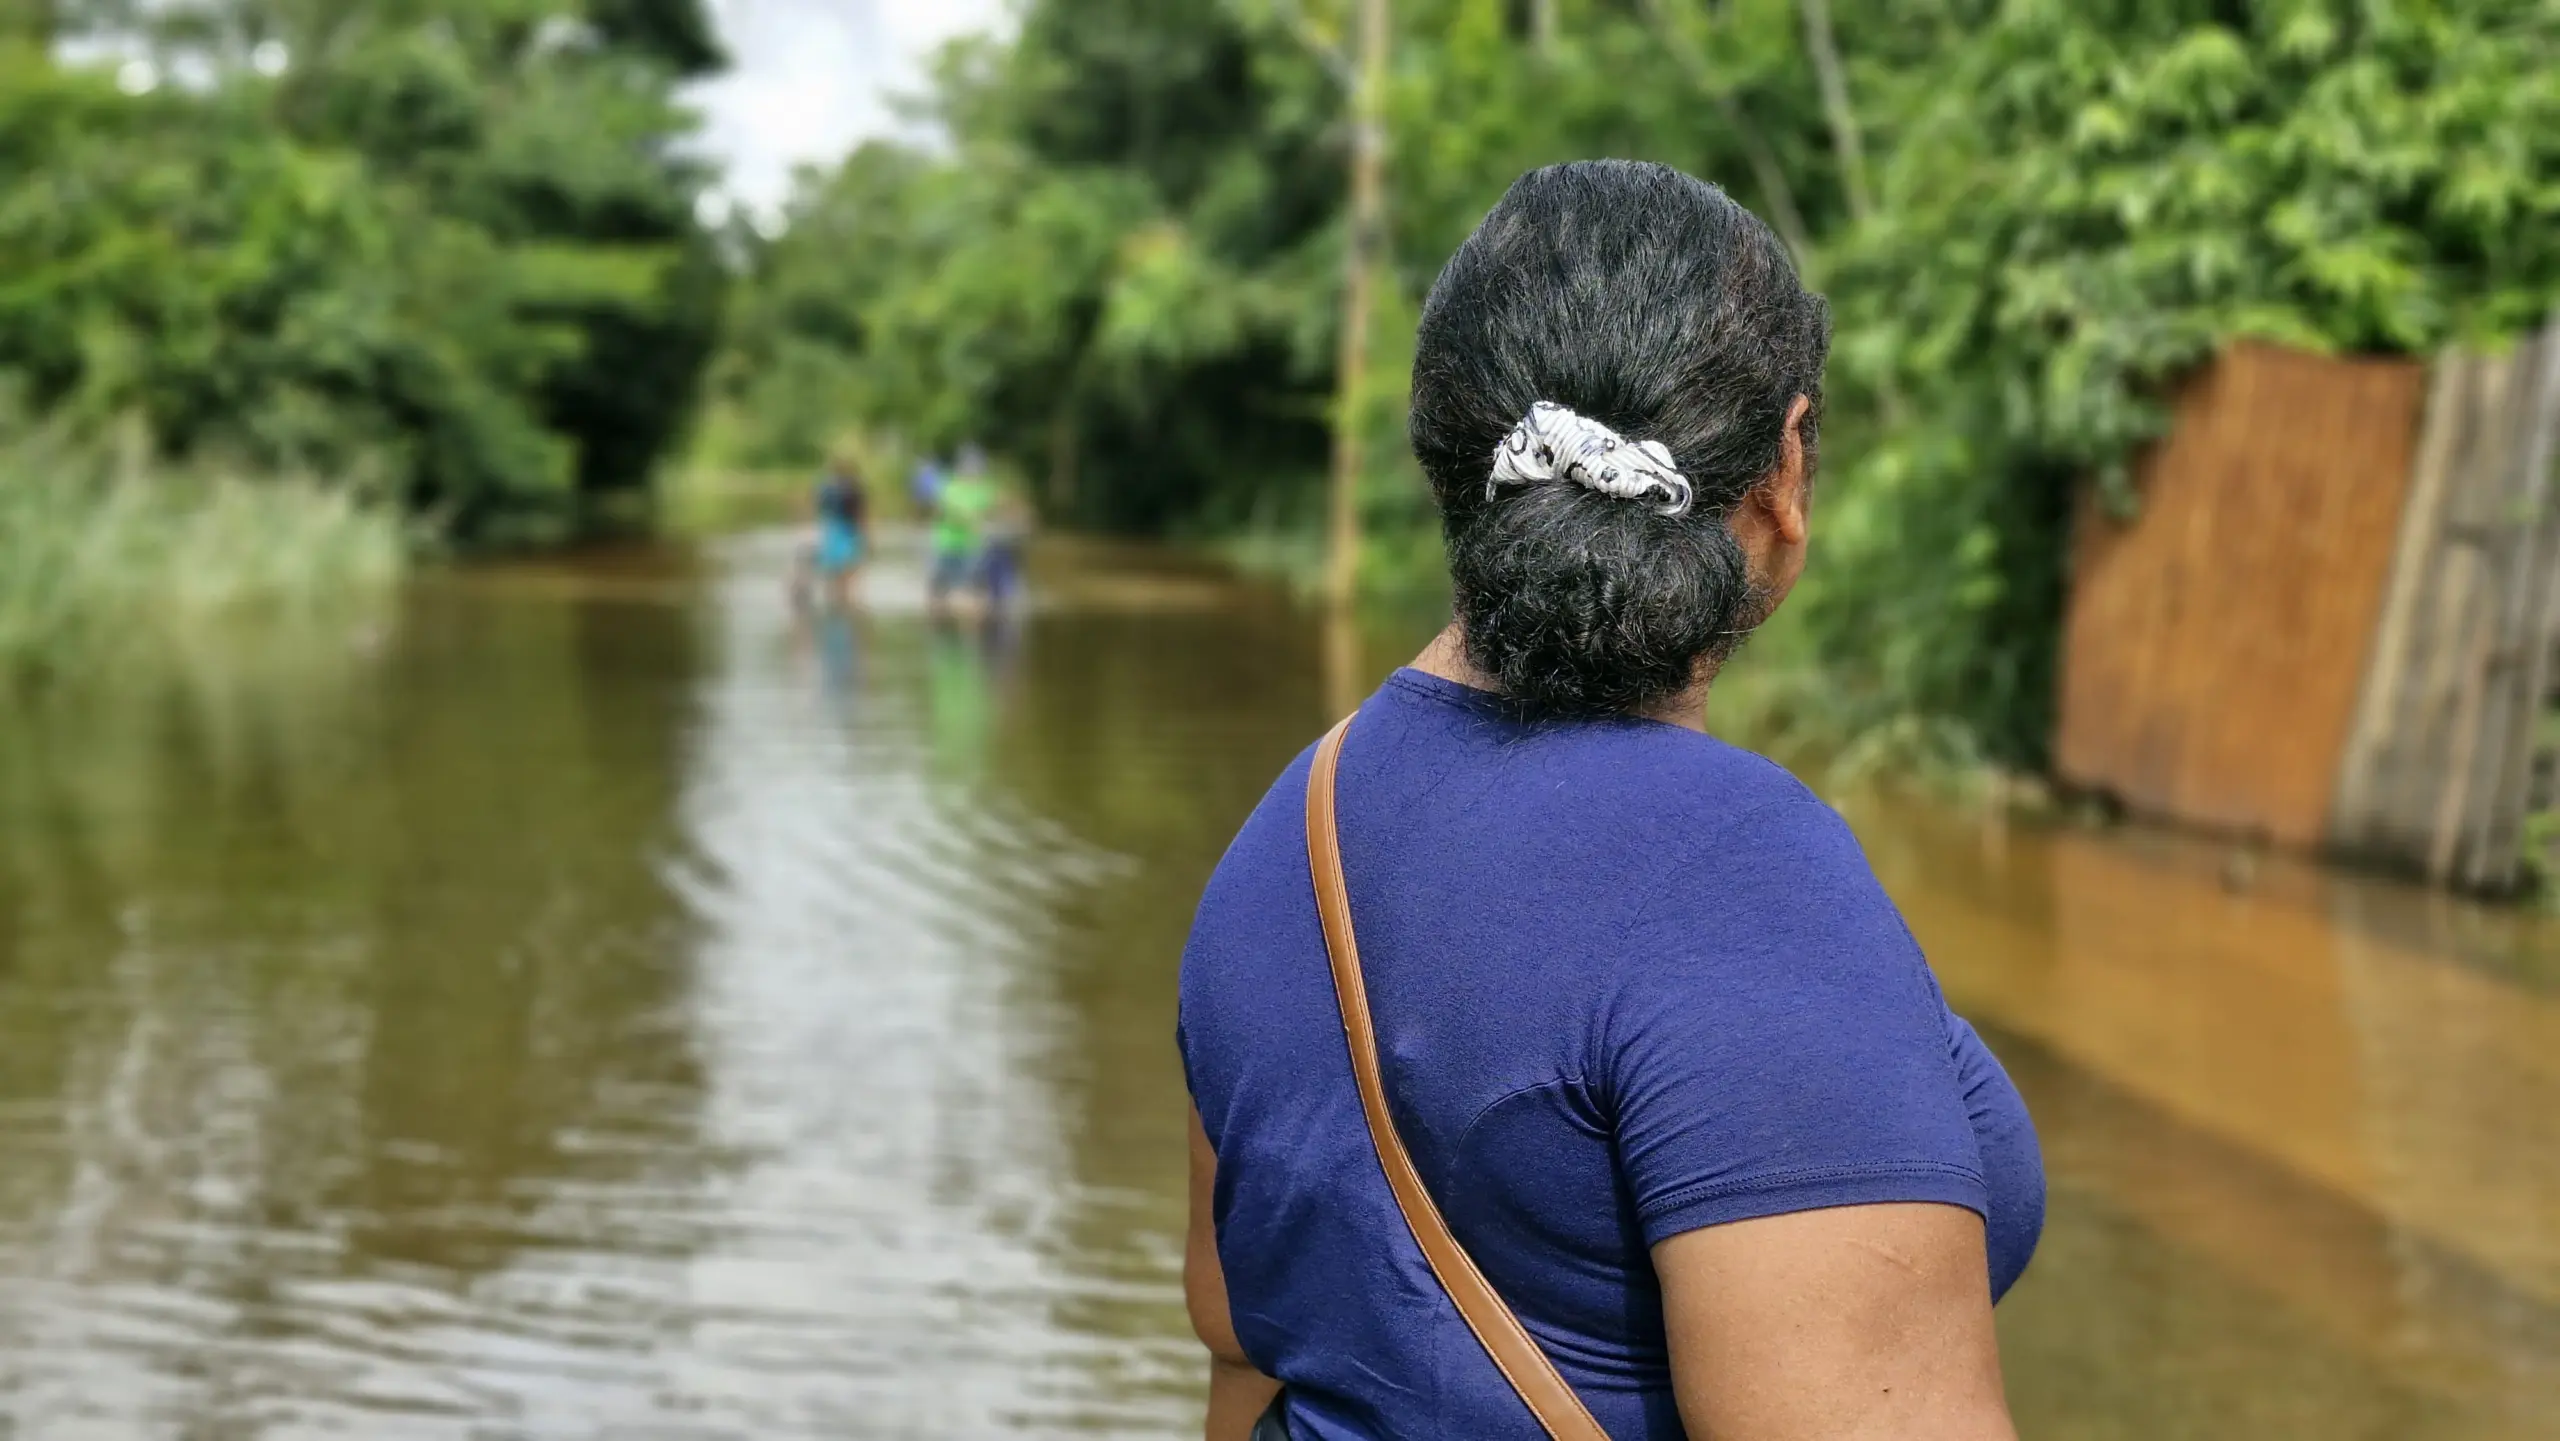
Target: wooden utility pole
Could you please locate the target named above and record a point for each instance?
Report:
(1776, 194)
(1362, 245)
(1833, 77)
(1063, 442)
(1824, 48)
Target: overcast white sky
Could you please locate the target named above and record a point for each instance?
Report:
(811, 78)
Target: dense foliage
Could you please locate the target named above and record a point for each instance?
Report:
(2032, 216)
(450, 248)
(1122, 273)
(1118, 276)
(2084, 198)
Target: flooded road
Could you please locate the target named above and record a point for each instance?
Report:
(595, 1005)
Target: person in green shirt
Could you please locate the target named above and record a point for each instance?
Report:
(960, 517)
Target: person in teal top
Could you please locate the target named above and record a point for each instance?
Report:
(834, 558)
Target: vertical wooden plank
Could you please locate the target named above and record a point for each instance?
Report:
(2359, 814)
(2469, 634)
(2411, 772)
(2542, 754)
(2530, 543)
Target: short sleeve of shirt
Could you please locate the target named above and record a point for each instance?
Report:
(1773, 1041)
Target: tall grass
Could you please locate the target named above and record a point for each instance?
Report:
(103, 547)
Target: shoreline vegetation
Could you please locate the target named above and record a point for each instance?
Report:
(107, 551)
(288, 292)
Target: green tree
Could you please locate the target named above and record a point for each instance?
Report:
(1123, 271)
(2078, 203)
(453, 244)
(1109, 279)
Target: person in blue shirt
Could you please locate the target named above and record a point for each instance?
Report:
(924, 486)
(1008, 531)
(1659, 1045)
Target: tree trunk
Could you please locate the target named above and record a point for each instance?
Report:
(1824, 47)
(1341, 661)
(1766, 172)
(1360, 255)
(1542, 27)
(1063, 440)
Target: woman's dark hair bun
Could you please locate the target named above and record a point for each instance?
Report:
(1650, 302)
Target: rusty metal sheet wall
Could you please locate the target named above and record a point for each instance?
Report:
(2215, 643)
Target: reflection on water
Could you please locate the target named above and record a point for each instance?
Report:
(615, 1006)
(2304, 1131)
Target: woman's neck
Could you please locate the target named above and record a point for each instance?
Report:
(1446, 657)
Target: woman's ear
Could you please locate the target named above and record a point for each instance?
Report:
(1784, 494)
(1771, 523)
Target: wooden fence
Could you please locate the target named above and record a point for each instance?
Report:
(2440, 769)
(2336, 619)
(2214, 643)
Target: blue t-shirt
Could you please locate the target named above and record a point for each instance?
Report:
(1628, 981)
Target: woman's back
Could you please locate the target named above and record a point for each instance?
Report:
(1628, 982)
(1656, 1040)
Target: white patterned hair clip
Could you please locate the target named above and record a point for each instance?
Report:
(1553, 441)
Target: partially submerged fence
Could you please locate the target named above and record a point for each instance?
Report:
(2439, 772)
(2335, 620)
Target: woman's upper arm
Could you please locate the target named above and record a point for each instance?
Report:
(1843, 1324)
(1237, 1392)
(1204, 1280)
(1797, 1140)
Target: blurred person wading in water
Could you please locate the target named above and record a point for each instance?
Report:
(834, 558)
(961, 513)
(1652, 1122)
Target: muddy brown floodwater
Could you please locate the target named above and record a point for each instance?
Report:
(591, 1004)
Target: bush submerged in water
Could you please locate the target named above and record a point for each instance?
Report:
(102, 546)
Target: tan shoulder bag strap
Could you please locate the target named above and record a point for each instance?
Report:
(1550, 1398)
